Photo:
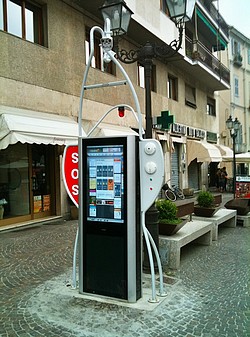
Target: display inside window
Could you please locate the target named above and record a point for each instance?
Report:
(105, 186)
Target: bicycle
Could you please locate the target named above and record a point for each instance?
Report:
(172, 192)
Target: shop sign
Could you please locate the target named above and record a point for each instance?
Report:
(70, 172)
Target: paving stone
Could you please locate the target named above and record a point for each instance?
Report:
(212, 299)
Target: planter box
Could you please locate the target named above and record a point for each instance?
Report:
(184, 208)
(169, 229)
(242, 206)
(217, 199)
(188, 192)
(206, 212)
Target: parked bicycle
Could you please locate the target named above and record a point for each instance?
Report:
(172, 192)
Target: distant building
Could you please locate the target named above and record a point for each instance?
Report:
(236, 101)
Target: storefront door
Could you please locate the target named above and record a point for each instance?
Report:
(27, 182)
(41, 178)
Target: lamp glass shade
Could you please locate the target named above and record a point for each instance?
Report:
(236, 124)
(180, 9)
(229, 123)
(119, 15)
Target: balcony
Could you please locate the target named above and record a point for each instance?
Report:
(214, 13)
(201, 56)
(237, 60)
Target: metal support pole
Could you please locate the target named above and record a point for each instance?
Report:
(151, 219)
(234, 165)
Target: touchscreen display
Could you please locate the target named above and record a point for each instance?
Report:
(105, 186)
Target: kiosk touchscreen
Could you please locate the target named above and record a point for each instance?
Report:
(110, 262)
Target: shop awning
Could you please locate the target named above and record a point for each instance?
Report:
(240, 157)
(225, 150)
(107, 130)
(19, 125)
(214, 30)
(202, 151)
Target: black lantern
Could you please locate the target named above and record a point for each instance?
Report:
(119, 15)
(233, 126)
(180, 10)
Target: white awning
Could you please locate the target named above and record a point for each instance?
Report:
(240, 157)
(225, 150)
(177, 139)
(107, 130)
(26, 126)
(202, 151)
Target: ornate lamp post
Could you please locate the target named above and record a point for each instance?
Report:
(233, 126)
(119, 14)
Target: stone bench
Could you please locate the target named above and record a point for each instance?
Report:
(244, 219)
(223, 216)
(170, 246)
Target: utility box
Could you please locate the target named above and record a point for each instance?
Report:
(109, 217)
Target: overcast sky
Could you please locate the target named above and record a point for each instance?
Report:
(236, 13)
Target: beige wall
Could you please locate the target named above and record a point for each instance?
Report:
(49, 79)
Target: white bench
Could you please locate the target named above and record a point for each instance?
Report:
(170, 246)
(226, 217)
(245, 219)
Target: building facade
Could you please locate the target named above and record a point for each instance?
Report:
(44, 48)
(236, 101)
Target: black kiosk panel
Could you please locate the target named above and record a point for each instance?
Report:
(104, 219)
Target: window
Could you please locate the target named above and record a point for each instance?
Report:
(190, 96)
(248, 55)
(235, 47)
(211, 106)
(164, 7)
(23, 19)
(236, 86)
(172, 89)
(141, 76)
(97, 60)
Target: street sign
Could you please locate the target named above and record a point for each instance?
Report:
(70, 172)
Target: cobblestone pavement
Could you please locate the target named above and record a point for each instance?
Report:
(211, 298)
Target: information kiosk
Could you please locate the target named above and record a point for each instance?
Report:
(109, 218)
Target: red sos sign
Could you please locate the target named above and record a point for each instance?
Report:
(70, 172)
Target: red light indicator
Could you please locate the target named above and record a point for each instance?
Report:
(121, 111)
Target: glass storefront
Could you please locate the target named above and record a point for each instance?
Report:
(41, 189)
(14, 181)
(26, 182)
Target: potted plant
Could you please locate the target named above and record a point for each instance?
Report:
(169, 223)
(205, 206)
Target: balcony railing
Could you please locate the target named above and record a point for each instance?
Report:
(215, 14)
(196, 51)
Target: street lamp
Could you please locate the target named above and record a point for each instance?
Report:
(118, 14)
(233, 126)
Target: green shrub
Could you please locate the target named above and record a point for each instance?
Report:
(205, 199)
(167, 211)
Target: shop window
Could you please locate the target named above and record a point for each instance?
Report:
(24, 19)
(190, 96)
(172, 88)
(14, 181)
(141, 76)
(41, 178)
(97, 60)
(211, 106)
